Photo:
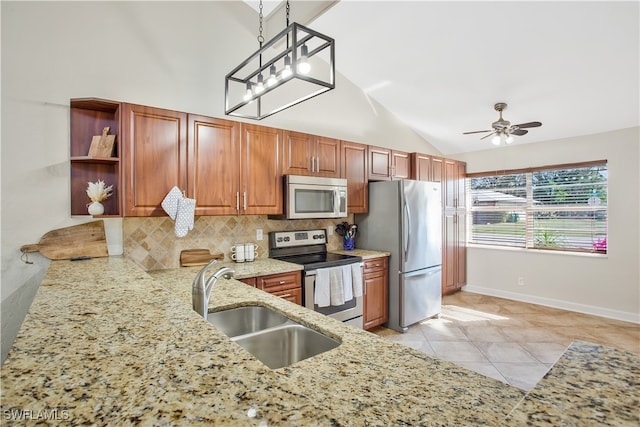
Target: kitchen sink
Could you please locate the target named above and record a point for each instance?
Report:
(285, 345)
(271, 337)
(245, 320)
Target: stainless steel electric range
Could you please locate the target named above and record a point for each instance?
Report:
(309, 249)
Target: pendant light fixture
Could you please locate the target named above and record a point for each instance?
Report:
(296, 65)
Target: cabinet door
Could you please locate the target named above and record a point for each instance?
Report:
(155, 154)
(437, 169)
(461, 250)
(260, 170)
(401, 166)
(354, 169)
(379, 160)
(449, 252)
(450, 184)
(298, 153)
(327, 157)
(293, 295)
(375, 298)
(213, 165)
(461, 190)
(420, 167)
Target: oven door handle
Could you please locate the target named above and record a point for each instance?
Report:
(315, 273)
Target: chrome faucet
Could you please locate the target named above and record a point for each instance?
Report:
(201, 289)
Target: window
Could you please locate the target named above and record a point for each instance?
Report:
(556, 207)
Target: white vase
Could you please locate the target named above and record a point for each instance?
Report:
(96, 208)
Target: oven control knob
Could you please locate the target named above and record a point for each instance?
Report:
(317, 236)
(286, 239)
(279, 239)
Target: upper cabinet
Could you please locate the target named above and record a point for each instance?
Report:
(354, 169)
(260, 170)
(386, 164)
(214, 165)
(306, 154)
(88, 118)
(155, 153)
(229, 168)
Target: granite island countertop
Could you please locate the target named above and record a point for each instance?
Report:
(106, 343)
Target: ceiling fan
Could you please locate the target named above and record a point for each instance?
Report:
(503, 130)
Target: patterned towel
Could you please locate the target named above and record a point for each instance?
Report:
(185, 216)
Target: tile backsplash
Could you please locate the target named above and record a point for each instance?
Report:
(152, 244)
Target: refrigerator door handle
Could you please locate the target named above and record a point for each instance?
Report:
(407, 231)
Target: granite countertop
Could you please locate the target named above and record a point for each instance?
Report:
(106, 343)
(364, 253)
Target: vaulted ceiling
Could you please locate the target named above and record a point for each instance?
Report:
(441, 66)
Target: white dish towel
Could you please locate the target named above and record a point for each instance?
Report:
(329, 287)
(356, 276)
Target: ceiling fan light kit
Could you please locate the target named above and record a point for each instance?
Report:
(296, 65)
(502, 130)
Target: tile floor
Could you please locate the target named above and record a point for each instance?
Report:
(511, 341)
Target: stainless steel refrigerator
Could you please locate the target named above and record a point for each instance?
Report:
(405, 219)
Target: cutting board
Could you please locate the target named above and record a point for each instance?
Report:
(78, 240)
(194, 257)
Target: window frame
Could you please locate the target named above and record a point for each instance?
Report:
(530, 209)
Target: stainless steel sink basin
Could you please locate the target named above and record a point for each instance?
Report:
(271, 337)
(245, 320)
(286, 345)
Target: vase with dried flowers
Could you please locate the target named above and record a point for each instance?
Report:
(97, 192)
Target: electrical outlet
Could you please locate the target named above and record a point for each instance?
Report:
(330, 230)
(259, 234)
(520, 281)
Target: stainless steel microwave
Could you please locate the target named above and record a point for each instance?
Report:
(314, 197)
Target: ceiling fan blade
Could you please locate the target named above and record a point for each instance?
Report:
(487, 136)
(529, 125)
(519, 132)
(475, 131)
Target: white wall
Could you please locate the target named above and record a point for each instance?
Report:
(608, 286)
(167, 54)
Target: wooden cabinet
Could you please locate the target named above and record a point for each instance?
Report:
(228, 167)
(451, 174)
(155, 154)
(354, 168)
(284, 285)
(386, 164)
(306, 154)
(454, 249)
(260, 170)
(376, 291)
(214, 165)
(88, 117)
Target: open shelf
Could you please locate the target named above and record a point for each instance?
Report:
(88, 117)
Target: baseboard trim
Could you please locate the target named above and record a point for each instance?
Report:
(550, 302)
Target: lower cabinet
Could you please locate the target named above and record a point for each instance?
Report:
(284, 285)
(376, 292)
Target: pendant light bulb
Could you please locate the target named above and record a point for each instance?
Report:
(509, 139)
(286, 71)
(303, 63)
(260, 86)
(495, 140)
(248, 94)
(273, 77)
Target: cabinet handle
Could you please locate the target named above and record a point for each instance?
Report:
(318, 164)
(282, 282)
(244, 200)
(237, 201)
(313, 164)
(284, 296)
